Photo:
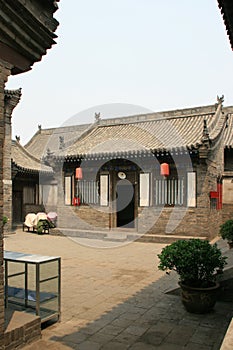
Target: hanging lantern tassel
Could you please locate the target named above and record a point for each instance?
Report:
(78, 173)
(164, 169)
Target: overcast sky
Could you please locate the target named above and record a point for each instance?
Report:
(133, 55)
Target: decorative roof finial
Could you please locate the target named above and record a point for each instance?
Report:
(205, 132)
(205, 142)
(61, 142)
(39, 127)
(49, 153)
(17, 138)
(49, 158)
(220, 100)
(97, 117)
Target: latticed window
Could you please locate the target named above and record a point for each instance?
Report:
(169, 191)
(88, 191)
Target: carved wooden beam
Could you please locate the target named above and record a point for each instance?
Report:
(26, 31)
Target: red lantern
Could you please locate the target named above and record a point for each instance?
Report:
(78, 173)
(164, 169)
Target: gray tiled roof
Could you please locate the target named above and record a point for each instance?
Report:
(181, 129)
(25, 161)
(228, 137)
(177, 129)
(50, 139)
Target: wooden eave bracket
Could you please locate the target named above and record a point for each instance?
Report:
(24, 38)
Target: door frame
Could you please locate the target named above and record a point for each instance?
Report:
(132, 176)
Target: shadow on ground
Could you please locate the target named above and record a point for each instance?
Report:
(153, 318)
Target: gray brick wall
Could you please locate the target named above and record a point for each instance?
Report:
(200, 221)
(27, 330)
(4, 73)
(11, 100)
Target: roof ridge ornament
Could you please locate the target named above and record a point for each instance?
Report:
(49, 153)
(61, 142)
(205, 132)
(48, 159)
(97, 117)
(205, 141)
(220, 101)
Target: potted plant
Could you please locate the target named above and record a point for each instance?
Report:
(226, 232)
(197, 263)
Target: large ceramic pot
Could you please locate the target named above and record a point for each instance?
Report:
(199, 300)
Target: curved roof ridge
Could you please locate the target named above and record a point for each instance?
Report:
(217, 122)
(229, 134)
(24, 150)
(27, 156)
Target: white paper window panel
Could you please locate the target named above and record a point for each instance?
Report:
(68, 184)
(104, 190)
(191, 189)
(144, 190)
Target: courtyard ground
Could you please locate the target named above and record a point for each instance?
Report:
(116, 298)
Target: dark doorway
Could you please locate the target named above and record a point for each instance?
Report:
(17, 206)
(125, 204)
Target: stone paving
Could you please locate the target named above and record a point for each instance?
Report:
(117, 299)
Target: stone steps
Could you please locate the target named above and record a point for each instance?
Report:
(116, 235)
(123, 236)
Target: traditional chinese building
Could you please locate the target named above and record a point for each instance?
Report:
(155, 174)
(27, 173)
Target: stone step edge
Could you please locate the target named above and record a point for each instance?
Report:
(128, 235)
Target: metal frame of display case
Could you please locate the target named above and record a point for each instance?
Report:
(22, 295)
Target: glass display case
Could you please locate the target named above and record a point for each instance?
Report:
(33, 283)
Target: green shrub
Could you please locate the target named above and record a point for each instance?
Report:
(4, 220)
(196, 261)
(226, 230)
